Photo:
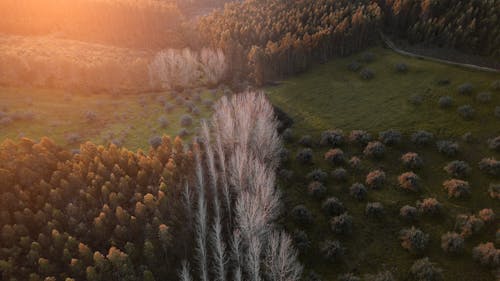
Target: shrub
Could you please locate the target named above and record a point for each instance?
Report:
(317, 175)
(316, 189)
(467, 137)
(374, 209)
(494, 143)
(381, 276)
(189, 105)
(305, 156)
(368, 57)
(360, 137)
(339, 174)
(448, 148)
(306, 141)
(413, 239)
(163, 121)
(284, 155)
(73, 138)
(333, 207)
(183, 132)
(416, 99)
(409, 181)
(285, 174)
(348, 277)
(195, 111)
(408, 212)
(422, 138)
(332, 138)
(332, 250)
(358, 191)
(487, 215)
(287, 135)
(302, 215)
(354, 66)
(424, 270)
(412, 160)
(429, 206)
(452, 243)
(208, 103)
(155, 142)
(341, 224)
(5, 121)
(375, 179)
(445, 102)
(374, 149)
(490, 166)
(495, 86)
(168, 107)
(186, 120)
(494, 190)
(456, 188)
(466, 111)
(465, 89)
(468, 225)
(401, 67)
(484, 97)
(90, 116)
(335, 156)
(355, 162)
(301, 240)
(367, 74)
(390, 137)
(497, 112)
(458, 169)
(486, 254)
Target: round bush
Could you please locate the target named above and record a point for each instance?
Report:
(366, 74)
(468, 225)
(335, 156)
(305, 156)
(413, 239)
(452, 243)
(355, 163)
(186, 120)
(487, 215)
(306, 141)
(183, 132)
(196, 111)
(341, 224)
(494, 190)
(416, 99)
(155, 142)
(466, 111)
(301, 240)
(316, 189)
(333, 207)
(408, 212)
(409, 181)
(332, 250)
(495, 86)
(429, 206)
(302, 215)
(458, 169)
(90, 116)
(390, 137)
(374, 149)
(168, 107)
(401, 67)
(456, 188)
(332, 138)
(467, 137)
(354, 66)
(445, 102)
(317, 175)
(424, 270)
(339, 174)
(490, 166)
(360, 137)
(284, 155)
(494, 143)
(422, 138)
(448, 148)
(487, 254)
(163, 122)
(358, 191)
(374, 209)
(375, 179)
(368, 57)
(465, 89)
(287, 135)
(483, 97)
(412, 160)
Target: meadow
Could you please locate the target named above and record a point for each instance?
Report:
(331, 96)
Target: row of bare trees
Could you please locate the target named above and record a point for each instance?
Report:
(233, 202)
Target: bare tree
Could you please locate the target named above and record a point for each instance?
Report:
(281, 258)
(184, 274)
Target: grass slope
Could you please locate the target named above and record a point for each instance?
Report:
(330, 96)
(133, 119)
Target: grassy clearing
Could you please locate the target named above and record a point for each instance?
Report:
(129, 119)
(330, 96)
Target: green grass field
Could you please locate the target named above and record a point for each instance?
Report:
(330, 96)
(129, 119)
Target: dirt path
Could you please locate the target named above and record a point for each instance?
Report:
(392, 46)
